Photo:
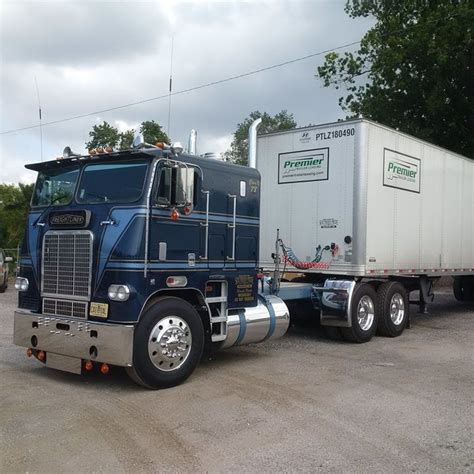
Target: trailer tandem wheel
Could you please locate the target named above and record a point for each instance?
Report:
(393, 308)
(363, 314)
(463, 288)
(168, 344)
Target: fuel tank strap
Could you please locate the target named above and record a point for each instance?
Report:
(272, 314)
(243, 327)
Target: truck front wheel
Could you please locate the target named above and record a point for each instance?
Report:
(168, 344)
(393, 308)
(363, 314)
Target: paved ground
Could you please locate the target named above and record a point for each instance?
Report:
(303, 403)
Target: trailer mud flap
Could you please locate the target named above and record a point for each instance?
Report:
(334, 302)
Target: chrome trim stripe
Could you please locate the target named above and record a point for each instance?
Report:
(213, 217)
(151, 266)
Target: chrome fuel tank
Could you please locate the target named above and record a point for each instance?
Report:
(268, 320)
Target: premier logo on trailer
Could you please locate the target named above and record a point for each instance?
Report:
(301, 166)
(401, 171)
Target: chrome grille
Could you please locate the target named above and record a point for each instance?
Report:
(67, 264)
(76, 309)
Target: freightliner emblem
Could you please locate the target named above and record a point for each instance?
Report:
(71, 219)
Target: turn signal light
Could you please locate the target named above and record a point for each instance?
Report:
(88, 365)
(41, 356)
(29, 352)
(108, 149)
(174, 215)
(104, 369)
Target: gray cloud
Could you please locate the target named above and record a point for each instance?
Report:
(78, 33)
(121, 65)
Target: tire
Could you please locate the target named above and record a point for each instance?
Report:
(4, 286)
(458, 288)
(157, 362)
(363, 315)
(463, 288)
(393, 309)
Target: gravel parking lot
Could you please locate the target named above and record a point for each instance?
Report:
(301, 403)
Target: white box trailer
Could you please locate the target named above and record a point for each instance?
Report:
(355, 200)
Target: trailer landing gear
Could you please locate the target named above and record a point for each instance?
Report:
(426, 294)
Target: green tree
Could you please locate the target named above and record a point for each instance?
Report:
(126, 140)
(153, 133)
(238, 152)
(414, 69)
(103, 135)
(14, 205)
(107, 135)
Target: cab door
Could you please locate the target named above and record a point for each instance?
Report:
(175, 230)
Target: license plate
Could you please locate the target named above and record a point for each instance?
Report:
(100, 310)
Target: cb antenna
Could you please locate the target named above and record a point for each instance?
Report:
(171, 86)
(40, 118)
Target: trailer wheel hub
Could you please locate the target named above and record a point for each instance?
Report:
(397, 309)
(365, 313)
(169, 343)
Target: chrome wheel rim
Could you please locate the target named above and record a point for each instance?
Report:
(397, 309)
(169, 343)
(365, 313)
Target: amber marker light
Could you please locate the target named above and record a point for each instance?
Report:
(108, 149)
(104, 369)
(174, 215)
(41, 356)
(29, 352)
(160, 145)
(88, 365)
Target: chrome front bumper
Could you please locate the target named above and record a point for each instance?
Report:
(74, 338)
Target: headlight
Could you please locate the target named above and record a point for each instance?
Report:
(119, 292)
(21, 284)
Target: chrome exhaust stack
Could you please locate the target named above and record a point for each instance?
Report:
(192, 142)
(253, 142)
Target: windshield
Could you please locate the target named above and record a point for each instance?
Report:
(55, 187)
(112, 182)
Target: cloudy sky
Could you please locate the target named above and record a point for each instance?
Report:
(90, 56)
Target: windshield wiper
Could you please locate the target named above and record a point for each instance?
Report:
(54, 201)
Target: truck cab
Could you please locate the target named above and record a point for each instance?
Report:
(143, 259)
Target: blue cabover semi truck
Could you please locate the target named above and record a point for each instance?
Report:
(150, 258)
(144, 259)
